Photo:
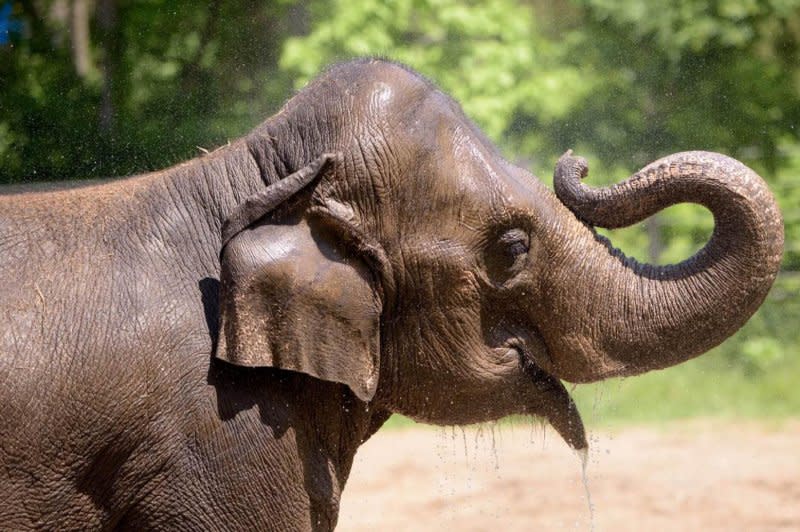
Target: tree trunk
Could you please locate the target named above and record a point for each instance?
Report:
(106, 23)
(80, 38)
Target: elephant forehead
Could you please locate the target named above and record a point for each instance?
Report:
(457, 168)
(381, 96)
(479, 172)
(478, 187)
(460, 198)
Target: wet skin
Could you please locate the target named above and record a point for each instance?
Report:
(206, 347)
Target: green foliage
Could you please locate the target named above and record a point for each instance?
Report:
(721, 75)
(786, 187)
(175, 75)
(482, 53)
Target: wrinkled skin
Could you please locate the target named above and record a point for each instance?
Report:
(153, 377)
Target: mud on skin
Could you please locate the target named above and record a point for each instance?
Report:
(206, 347)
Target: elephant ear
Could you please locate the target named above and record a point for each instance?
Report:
(295, 293)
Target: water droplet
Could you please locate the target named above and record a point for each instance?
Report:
(494, 447)
(583, 454)
(544, 434)
(464, 437)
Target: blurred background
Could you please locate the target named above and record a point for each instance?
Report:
(98, 88)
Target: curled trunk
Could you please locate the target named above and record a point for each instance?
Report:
(611, 315)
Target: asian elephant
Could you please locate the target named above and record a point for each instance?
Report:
(205, 347)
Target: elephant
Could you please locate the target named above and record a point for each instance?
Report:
(205, 347)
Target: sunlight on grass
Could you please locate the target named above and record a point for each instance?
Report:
(707, 387)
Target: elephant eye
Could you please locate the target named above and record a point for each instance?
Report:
(505, 253)
(515, 242)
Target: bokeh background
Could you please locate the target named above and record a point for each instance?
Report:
(99, 88)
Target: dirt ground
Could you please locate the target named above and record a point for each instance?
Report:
(693, 476)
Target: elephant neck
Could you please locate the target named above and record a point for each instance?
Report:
(214, 185)
(187, 204)
(210, 187)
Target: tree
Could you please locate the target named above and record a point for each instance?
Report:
(693, 74)
(488, 55)
(93, 89)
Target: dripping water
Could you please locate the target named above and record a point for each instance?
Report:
(544, 433)
(492, 426)
(538, 424)
(464, 438)
(583, 454)
(598, 398)
(478, 436)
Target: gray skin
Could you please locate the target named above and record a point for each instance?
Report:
(153, 378)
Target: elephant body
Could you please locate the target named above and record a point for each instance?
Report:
(206, 347)
(114, 414)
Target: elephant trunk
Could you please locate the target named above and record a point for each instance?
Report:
(604, 314)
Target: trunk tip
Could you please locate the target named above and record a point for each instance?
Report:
(570, 165)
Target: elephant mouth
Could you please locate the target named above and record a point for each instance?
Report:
(531, 349)
(547, 397)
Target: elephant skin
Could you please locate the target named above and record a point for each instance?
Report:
(206, 347)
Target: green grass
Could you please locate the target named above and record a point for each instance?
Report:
(399, 422)
(705, 387)
(753, 375)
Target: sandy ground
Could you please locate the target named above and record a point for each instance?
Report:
(696, 476)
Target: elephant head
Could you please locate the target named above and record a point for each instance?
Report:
(395, 251)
